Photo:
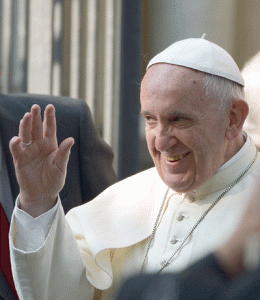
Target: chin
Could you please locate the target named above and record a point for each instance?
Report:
(179, 186)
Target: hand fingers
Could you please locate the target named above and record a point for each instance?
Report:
(251, 219)
(15, 147)
(37, 129)
(63, 153)
(25, 128)
(49, 123)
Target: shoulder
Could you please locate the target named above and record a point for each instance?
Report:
(136, 184)
(127, 192)
(141, 179)
(69, 112)
(24, 101)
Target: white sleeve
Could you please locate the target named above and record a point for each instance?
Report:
(32, 232)
(55, 270)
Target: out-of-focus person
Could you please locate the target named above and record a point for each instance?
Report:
(251, 74)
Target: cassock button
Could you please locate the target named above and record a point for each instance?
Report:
(191, 198)
(174, 241)
(180, 217)
(163, 262)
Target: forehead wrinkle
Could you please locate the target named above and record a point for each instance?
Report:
(163, 77)
(176, 84)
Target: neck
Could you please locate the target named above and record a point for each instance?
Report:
(234, 146)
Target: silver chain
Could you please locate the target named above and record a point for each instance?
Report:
(196, 224)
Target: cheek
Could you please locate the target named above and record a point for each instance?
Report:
(198, 140)
(205, 153)
(200, 147)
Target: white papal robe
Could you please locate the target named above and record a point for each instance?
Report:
(101, 243)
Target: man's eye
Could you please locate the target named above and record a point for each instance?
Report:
(149, 118)
(178, 119)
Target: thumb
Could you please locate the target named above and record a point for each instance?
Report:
(15, 148)
(62, 156)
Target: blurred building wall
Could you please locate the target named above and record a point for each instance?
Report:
(65, 47)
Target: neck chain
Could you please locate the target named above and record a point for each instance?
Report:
(167, 263)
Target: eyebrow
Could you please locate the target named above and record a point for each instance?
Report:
(144, 112)
(170, 115)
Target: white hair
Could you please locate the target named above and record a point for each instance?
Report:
(222, 89)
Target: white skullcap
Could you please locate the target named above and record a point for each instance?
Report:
(202, 55)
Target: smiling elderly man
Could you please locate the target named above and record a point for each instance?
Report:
(160, 220)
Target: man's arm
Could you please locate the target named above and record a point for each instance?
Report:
(55, 269)
(233, 253)
(50, 267)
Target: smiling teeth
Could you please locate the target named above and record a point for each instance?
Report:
(179, 157)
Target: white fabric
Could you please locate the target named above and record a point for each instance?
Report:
(202, 55)
(32, 231)
(112, 232)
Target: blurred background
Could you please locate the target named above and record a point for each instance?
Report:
(97, 50)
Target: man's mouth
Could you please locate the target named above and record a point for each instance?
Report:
(177, 157)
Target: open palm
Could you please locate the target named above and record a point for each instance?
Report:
(40, 165)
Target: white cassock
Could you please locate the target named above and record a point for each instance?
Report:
(101, 243)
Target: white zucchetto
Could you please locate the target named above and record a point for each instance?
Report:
(202, 55)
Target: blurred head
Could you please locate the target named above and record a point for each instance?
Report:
(251, 74)
(193, 123)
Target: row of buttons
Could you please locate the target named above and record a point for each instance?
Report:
(179, 218)
(172, 241)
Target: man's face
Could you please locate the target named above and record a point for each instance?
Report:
(185, 132)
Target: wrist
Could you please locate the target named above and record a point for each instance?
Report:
(36, 206)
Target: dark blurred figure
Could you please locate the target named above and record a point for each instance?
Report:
(89, 170)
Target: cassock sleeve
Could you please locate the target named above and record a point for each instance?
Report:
(54, 270)
(32, 232)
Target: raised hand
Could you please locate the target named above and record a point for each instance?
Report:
(232, 254)
(40, 165)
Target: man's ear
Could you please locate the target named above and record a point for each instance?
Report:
(237, 115)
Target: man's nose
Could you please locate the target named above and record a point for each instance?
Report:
(164, 138)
